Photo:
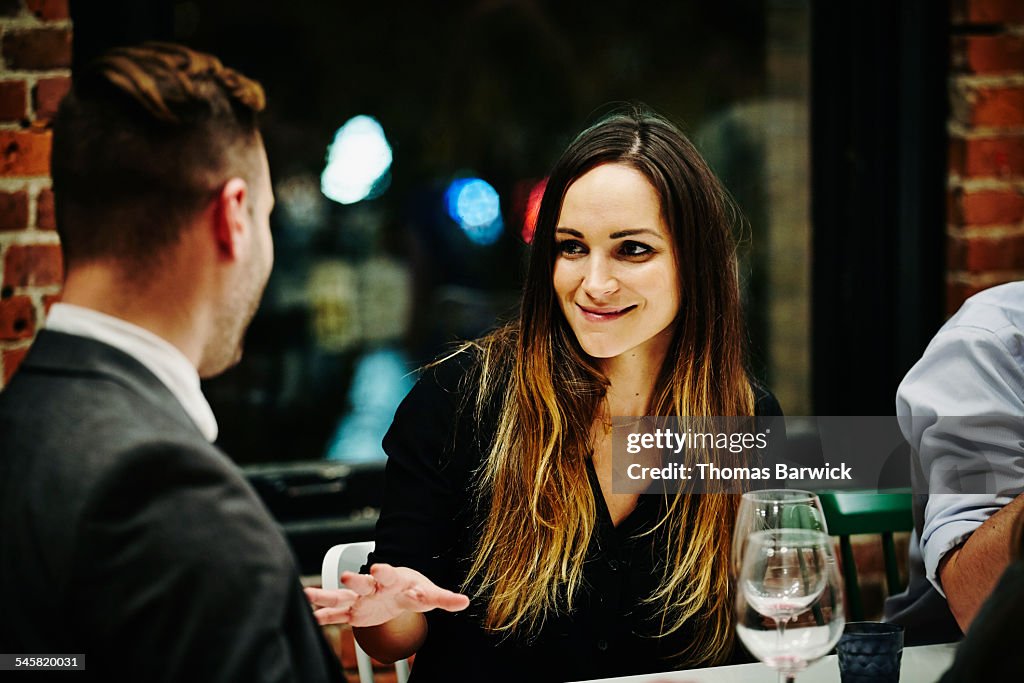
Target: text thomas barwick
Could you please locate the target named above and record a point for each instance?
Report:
(709, 471)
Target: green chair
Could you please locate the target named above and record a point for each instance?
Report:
(867, 512)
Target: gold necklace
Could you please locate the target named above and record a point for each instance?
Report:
(609, 423)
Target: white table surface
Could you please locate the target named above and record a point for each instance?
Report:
(924, 664)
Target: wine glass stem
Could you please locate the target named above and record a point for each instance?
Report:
(780, 625)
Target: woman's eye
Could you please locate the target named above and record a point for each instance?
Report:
(635, 249)
(571, 248)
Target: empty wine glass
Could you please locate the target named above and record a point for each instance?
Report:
(774, 509)
(789, 599)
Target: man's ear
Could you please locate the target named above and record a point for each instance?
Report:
(231, 205)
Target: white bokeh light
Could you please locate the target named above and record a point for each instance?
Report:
(358, 162)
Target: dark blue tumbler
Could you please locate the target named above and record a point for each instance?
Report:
(870, 652)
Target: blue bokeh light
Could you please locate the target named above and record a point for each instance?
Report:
(475, 205)
(358, 162)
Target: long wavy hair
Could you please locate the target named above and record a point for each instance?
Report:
(540, 509)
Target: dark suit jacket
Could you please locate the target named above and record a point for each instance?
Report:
(126, 536)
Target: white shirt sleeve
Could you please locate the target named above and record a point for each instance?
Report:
(964, 401)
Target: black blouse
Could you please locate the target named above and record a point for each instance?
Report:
(429, 522)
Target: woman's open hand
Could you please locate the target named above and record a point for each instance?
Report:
(380, 596)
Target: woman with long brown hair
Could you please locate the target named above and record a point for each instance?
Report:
(499, 477)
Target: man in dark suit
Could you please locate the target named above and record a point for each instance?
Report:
(125, 535)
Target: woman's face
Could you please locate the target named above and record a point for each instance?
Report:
(615, 267)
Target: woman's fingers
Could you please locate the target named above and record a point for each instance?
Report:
(333, 606)
(385, 575)
(368, 600)
(363, 584)
(433, 597)
(451, 602)
(428, 597)
(333, 615)
(341, 598)
(409, 589)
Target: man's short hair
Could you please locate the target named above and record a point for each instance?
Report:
(142, 143)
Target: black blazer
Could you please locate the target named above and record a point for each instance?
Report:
(126, 536)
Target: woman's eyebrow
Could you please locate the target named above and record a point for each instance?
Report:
(615, 235)
(638, 231)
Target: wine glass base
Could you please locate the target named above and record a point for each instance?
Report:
(786, 664)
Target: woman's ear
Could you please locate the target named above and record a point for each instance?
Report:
(230, 217)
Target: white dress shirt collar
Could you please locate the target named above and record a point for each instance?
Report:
(159, 356)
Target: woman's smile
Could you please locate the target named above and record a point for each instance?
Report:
(603, 315)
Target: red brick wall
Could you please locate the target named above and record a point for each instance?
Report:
(986, 173)
(35, 62)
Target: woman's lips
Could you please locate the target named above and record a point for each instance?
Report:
(602, 315)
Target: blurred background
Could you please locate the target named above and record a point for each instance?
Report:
(409, 143)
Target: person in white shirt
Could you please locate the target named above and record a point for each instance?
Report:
(962, 410)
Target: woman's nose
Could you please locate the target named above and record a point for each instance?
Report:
(599, 281)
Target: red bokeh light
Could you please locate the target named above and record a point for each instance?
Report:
(532, 209)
